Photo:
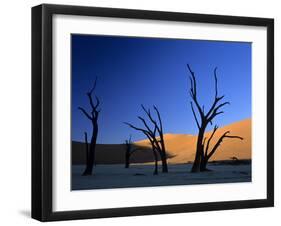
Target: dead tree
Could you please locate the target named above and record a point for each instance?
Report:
(93, 117)
(157, 143)
(129, 151)
(203, 154)
(151, 140)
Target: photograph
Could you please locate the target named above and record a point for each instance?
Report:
(144, 112)
(149, 112)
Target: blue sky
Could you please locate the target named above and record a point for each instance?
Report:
(132, 71)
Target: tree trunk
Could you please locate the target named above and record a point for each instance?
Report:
(203, 165)
(155, 162)
(92, 152)
(86, 146)
(164, 162)
(199, 150)
(93, 117)
(127, 159)
(163, 151)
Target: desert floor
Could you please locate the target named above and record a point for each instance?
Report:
(140, 175)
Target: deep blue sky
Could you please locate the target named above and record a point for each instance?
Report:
(133, 71)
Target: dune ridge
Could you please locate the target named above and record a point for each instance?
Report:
(180, 147)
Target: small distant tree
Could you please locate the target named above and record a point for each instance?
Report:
(157, 142)
(93, 117)
(129, 151)
(203, 153)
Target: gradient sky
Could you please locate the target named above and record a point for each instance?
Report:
(151, 71)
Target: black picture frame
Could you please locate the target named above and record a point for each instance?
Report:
(42, 111)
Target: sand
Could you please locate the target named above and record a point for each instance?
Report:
(138, 175)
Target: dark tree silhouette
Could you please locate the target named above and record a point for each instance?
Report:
(93, 117)
(203, 154)
(151, 140)
(129, 151)
(157, 143)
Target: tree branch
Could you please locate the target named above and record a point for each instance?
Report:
(193, 91)
(159, 118)
(161, 130)
(146, 133)
(204, 141)
(91, 100)
(219, 106)
(197, 123)
(89, 94)
(85, 113)
(146, 126)
(193, 81)
(94, 86)
(238, 137)
(215, 112)
(217, 98)
(136, 128)
(209, 140)
(148, 113)
(216, 82)
(97, 104)
(219, 142)
(95, 111)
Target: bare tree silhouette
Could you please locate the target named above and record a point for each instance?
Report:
(203, 154)
(93, 117)
(157, 143)
(151, 140)
(129, 151)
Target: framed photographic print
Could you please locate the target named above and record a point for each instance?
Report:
(144, 112)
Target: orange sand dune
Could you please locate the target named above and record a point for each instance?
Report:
(180, 147)
(183, 146)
